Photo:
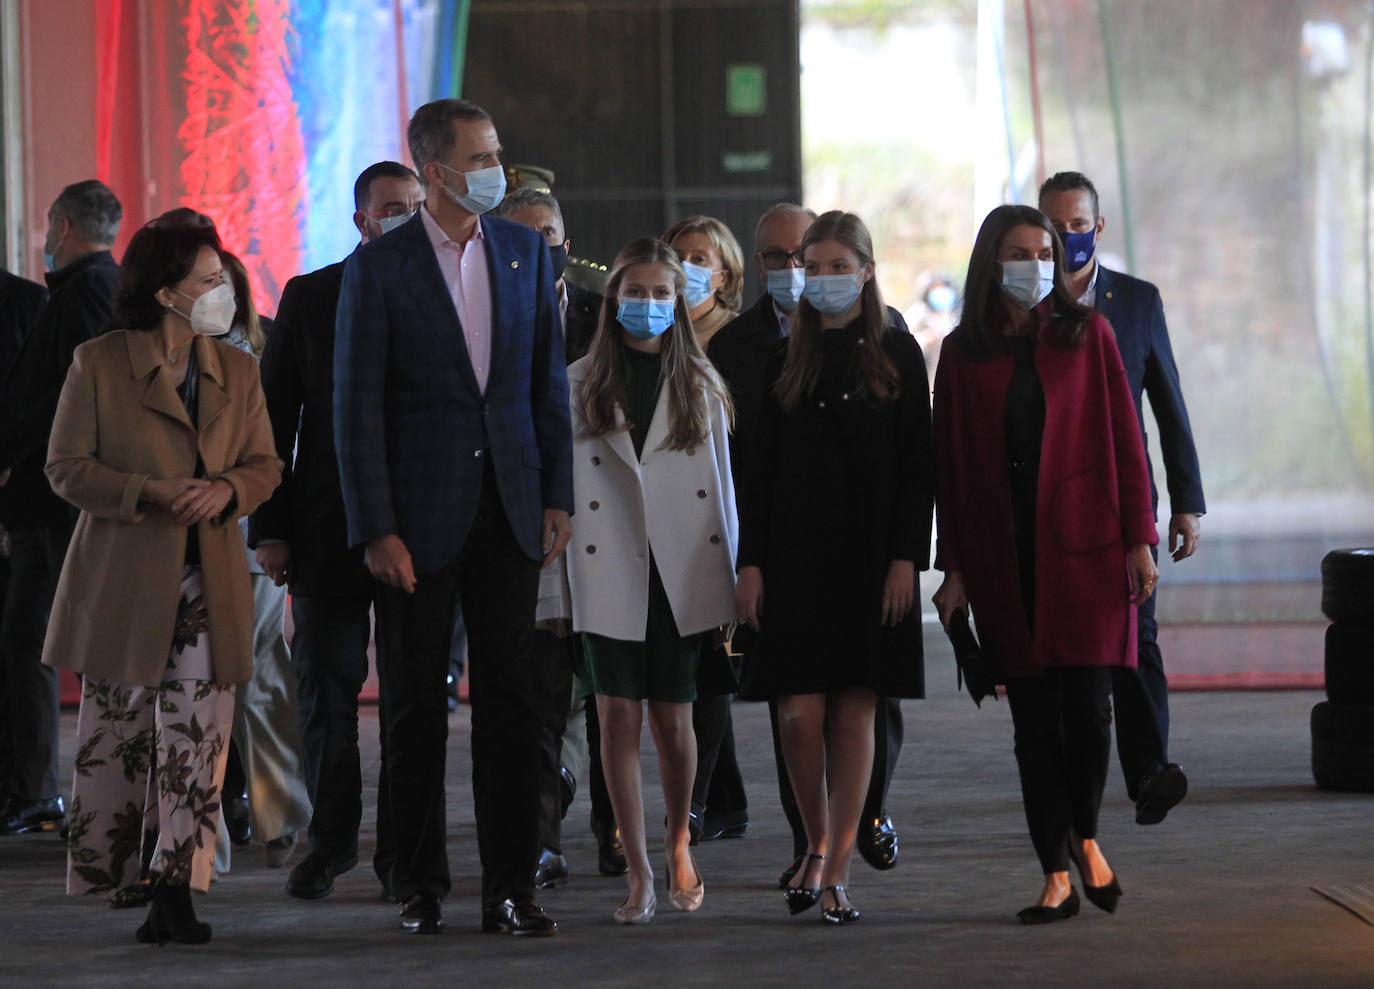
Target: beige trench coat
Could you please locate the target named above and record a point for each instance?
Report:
(120, 422)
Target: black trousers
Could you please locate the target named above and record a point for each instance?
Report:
(498, 586)
(553, 680)
(888, 732)
(602, 814)
(329, 659)
(718, 789)
(1063, 725)
(1142, 704)
(28, 689)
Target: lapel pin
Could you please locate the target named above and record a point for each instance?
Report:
(1109, 295)
(515, 264)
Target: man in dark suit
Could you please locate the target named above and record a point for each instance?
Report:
(1136, 314)
(82, 225)
(452, 429)
(300, 536)
(20, 301)
(740, 351)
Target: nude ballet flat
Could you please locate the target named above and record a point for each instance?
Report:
(690, 898)
(628, 913)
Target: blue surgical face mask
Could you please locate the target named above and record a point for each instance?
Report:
(1028, 282)
(486, 188)
(49, 261)
(832, 294)
(698, 284)
(645, 318)
(941, 298)
(785, 285)
(1078, 249)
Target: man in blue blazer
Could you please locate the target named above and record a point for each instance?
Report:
(454, 444)
(1136, 314)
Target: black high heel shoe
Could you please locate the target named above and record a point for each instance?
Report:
(799, 898)
(1048, 915)
(172, 918)
(1102, 897)
(838, 914)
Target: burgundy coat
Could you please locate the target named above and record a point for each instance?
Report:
(1093, 503)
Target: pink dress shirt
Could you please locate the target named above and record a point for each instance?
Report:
(464, 267)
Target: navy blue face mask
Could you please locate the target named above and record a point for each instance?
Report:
(558, 260)
(1078, 249)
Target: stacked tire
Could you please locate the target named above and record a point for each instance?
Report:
(1343, 724)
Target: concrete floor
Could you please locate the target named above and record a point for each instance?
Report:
(1216, 895)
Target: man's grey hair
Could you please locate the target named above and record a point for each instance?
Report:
(92, 209)
(780, 209)
(526, 198)
(430, 133)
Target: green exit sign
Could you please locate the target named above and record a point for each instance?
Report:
(746, 93)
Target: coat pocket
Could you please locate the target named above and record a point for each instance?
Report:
(1082, 515)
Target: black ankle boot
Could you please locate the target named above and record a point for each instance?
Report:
(172, 917)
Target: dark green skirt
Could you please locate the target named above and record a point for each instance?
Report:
(661, 668)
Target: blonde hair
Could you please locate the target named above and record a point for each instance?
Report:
(686, 373)
(729, 294)
(247, 312)
(878, 378)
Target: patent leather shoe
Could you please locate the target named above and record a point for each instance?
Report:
(22, 817)
(801, 898)
(1160, 793)
(839, 913)
(237, 821)
(1047, 915)
(878, 843)
(567, 789)
(522, 918)
(551, 871)
(421, 915)
(610, 853)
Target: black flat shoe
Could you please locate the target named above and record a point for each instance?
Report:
(1102, 897)
(421, 915)
(1160, 793)
(878, 843)
(799, 898)
(313, 876)
(610, 853)
(1048, 915)
(521, 918)
(837, 914)
(172, 918)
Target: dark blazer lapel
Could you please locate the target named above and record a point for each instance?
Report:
(425, 282)
(1107, 297)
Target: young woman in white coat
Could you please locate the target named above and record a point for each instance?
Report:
(652, 557)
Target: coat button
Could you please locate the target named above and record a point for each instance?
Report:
(701, 492)
(820, 404)
(515, 264)
(715, 540)
(476, 453)
(594, 505)
(596, 461)
(591, 549)
(844, 397)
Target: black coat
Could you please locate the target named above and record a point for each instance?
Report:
(307, 509)
(741, 351)
(20, 302)
(835, 491)
(80, 307)
(1136, 314)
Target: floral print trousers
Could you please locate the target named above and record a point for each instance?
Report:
(149, 767)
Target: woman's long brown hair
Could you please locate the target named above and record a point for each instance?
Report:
(878, 379)
(686, 373)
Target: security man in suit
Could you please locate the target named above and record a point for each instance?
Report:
(1136, 314)
(301, 539)
(740, 351)
(452, 429)
(82, 225)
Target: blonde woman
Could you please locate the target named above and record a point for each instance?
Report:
(651, 562)
(714, 266)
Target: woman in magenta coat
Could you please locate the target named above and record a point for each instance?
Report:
(1045, 528)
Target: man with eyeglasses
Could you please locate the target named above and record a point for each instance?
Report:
(300, 538)
(740, 352)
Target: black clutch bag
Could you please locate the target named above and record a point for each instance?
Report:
(973, 671)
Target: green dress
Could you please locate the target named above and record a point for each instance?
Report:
(664, 666)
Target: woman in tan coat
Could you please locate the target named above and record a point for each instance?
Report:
(162, 441)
